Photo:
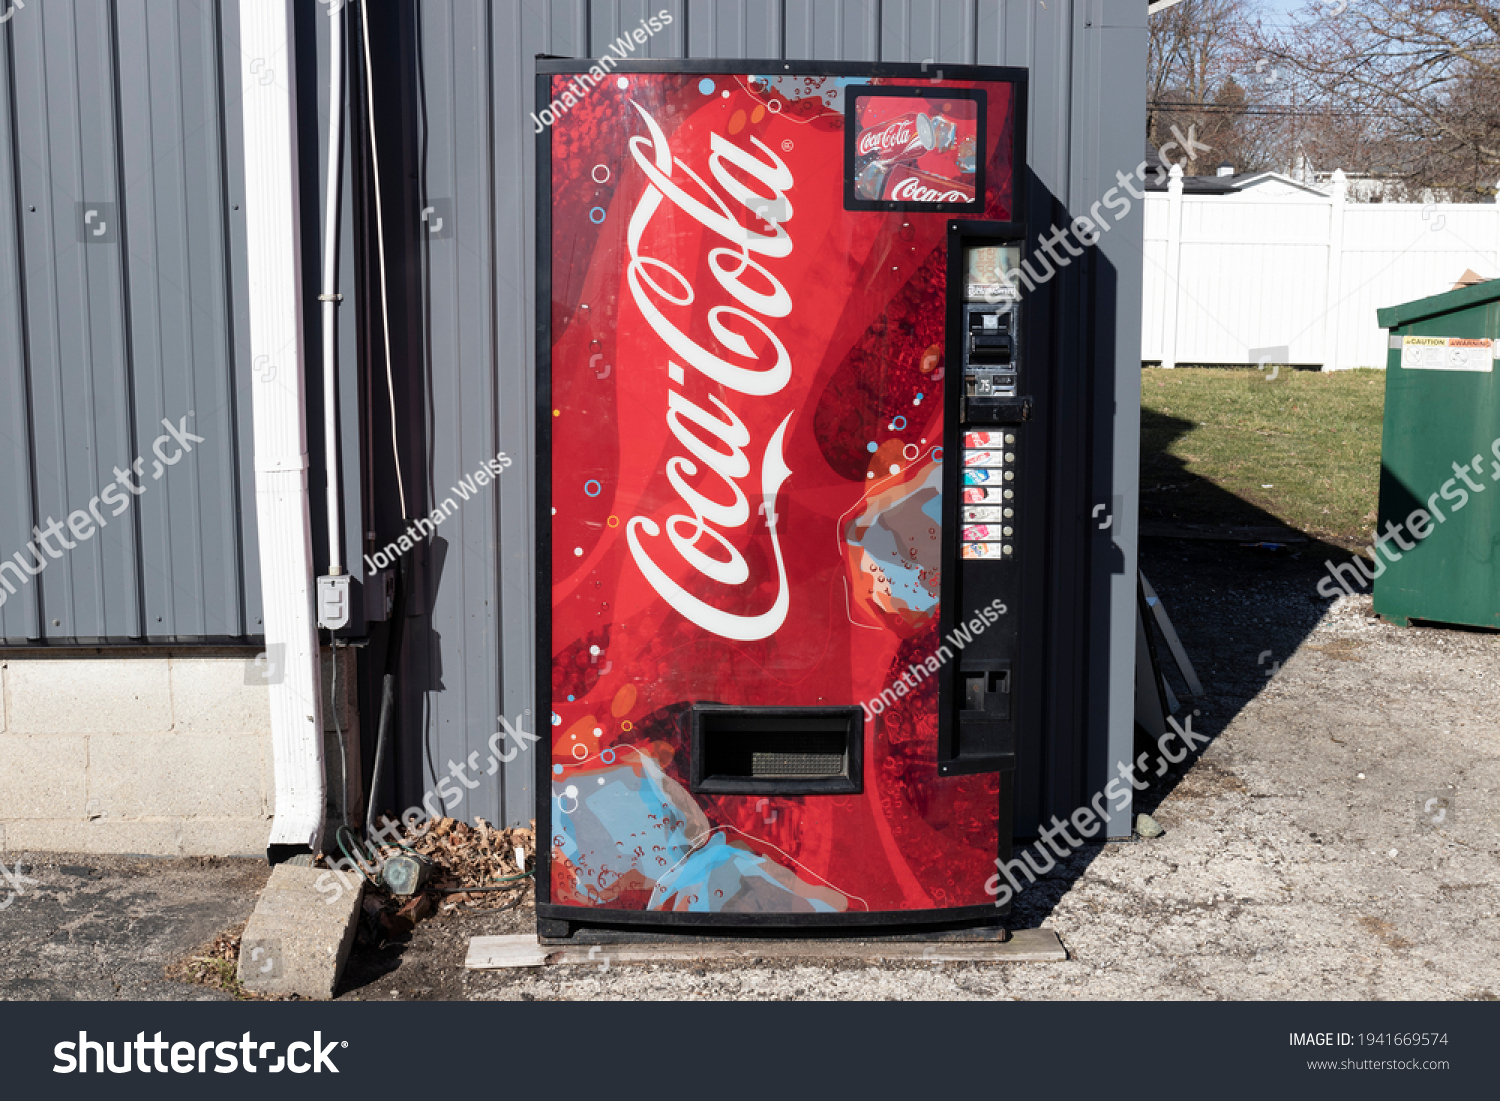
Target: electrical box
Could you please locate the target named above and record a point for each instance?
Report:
(333, 602)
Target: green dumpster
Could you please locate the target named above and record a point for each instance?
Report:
(1438, 549)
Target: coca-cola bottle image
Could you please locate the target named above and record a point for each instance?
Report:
(879, 147)
(905, 139)
(968, 155)
(909, 184)
(869, 177)
(937, 133)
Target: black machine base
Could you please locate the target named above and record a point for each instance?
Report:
(973, 923)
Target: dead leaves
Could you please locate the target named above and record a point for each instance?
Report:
(463, 856)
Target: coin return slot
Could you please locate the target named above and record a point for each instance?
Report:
(986, 697)
(979, 685)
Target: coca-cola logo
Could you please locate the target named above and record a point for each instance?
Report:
(715, 440)
(896, 135)
(913, 190)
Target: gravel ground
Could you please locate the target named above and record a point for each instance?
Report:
(99, 928)
(1302, 856)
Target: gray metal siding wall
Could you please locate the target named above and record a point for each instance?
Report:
(1108, 121)
(475, 60)
(129, 107)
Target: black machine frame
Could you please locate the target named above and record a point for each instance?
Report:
(852, 201)
(554, 921)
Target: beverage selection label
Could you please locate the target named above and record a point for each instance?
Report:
(984, 458)
(986, 552)
(986, 476)
(978, 495)
(983, 533)
(988, 520)
(988, 438)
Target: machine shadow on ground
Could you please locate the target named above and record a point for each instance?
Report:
(1240, 611)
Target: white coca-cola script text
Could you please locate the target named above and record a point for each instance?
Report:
(897, 135)
(716, 439)
(912, 190)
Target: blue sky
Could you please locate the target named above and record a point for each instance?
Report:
(1278, 11)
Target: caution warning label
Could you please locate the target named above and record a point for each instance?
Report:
(1449, 353)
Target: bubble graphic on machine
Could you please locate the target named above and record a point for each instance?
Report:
(893, 548)
(630, 836)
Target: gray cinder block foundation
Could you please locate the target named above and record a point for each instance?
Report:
(156, 752)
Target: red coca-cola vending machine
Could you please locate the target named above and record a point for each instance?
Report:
(783, 401)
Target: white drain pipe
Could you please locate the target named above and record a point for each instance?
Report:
(279, 410)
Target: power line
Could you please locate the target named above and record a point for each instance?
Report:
(1277, 111)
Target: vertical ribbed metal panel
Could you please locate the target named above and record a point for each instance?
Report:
(1051, 51)
(832, 30)
(472, 164)
(1108, 64)
(514, 158)
(563, 29)
(476, 142)
(121, 321)
(77, 356)
(135, 104)
(734, 28)
(1004, 32)
(18, 615)
(176, 215)
(612, 20)
(942, 30)
(241, 371)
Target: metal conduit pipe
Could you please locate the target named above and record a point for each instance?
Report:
(330, 297)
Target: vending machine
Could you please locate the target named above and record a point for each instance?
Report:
(784, 487)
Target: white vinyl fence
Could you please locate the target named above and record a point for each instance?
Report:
(1229, 278)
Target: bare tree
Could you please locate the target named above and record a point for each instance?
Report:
(1196, 81)
(1411, 88)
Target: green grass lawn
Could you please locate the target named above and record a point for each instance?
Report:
(1231, 446)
